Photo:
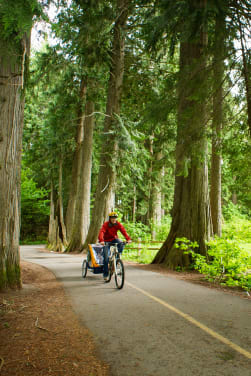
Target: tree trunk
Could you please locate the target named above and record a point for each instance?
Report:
(107, 172)
(191, 210)
(163, 213)
(246, 58)
(12, 68)
(76, 164)
(54, 239)
(60, 203)
(215, 191)
(134, 204)
(82, 215)
(156, 193)
(234, 197)
(57, 232)
(52, 223)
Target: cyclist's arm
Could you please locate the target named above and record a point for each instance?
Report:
(101, 234)
(124, 233)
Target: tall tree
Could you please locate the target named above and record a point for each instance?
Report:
(217, 121)
(246, 59)
(15, 25)
(191, 210)
(82, 216)
(155, 209)
(57, 240)
(84, 30)
(107, 172)
(76, 162)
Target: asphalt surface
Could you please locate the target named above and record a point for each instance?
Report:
(156, 325)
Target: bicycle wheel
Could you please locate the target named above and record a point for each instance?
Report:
(84, 268)
(110, 271)
(119, 274)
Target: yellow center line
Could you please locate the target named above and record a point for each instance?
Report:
(189, 318)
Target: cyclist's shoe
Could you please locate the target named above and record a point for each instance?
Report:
(105, 278)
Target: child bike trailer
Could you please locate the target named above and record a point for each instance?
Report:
(94, 261)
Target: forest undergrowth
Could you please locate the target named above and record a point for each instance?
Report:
(228, 261)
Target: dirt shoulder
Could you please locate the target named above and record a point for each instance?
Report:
(40, 334)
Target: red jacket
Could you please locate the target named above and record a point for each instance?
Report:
(108, 232)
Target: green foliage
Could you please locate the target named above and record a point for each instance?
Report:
(162, 230)
(35, 208)
(233, 212)
(236, 152)
(237, 228)
(138, 230)
(225, 263)
(185, 244)
(16, 18)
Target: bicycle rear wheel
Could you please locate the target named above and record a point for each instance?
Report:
(84, 268)
(110, 271)
(119, 274)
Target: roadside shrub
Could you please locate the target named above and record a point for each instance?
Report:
(226, 263)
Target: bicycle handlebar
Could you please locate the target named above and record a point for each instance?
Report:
(110, 243)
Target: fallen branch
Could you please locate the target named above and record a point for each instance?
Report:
(40, 327)
(2, 363)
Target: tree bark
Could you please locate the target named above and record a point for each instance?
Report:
(82, 215)
(52, 221)
(191, 209)
(107, 172)
(134, 204)
(156, 193)
(12, 68)
(57, 232)
(60, 203)
(76, 164)
(246, 58)
(218, 75)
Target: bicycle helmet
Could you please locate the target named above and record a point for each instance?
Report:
(113, 215)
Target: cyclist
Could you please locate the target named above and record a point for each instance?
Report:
(108, 234)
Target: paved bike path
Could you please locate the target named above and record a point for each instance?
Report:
(140, 330)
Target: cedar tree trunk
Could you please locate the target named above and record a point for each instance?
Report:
(57, 232)
(218, 71)
(191, 210)
(156, 193)
(76, 164)
(12, 67)
(246, 58)
(82, 215)
(107, 172)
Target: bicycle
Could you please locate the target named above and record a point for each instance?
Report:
(116, 266)
(94, 262)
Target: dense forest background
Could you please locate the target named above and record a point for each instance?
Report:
(139, 106)
(146, 127)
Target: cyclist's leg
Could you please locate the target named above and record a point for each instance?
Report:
(120, 245)
(106, 251)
